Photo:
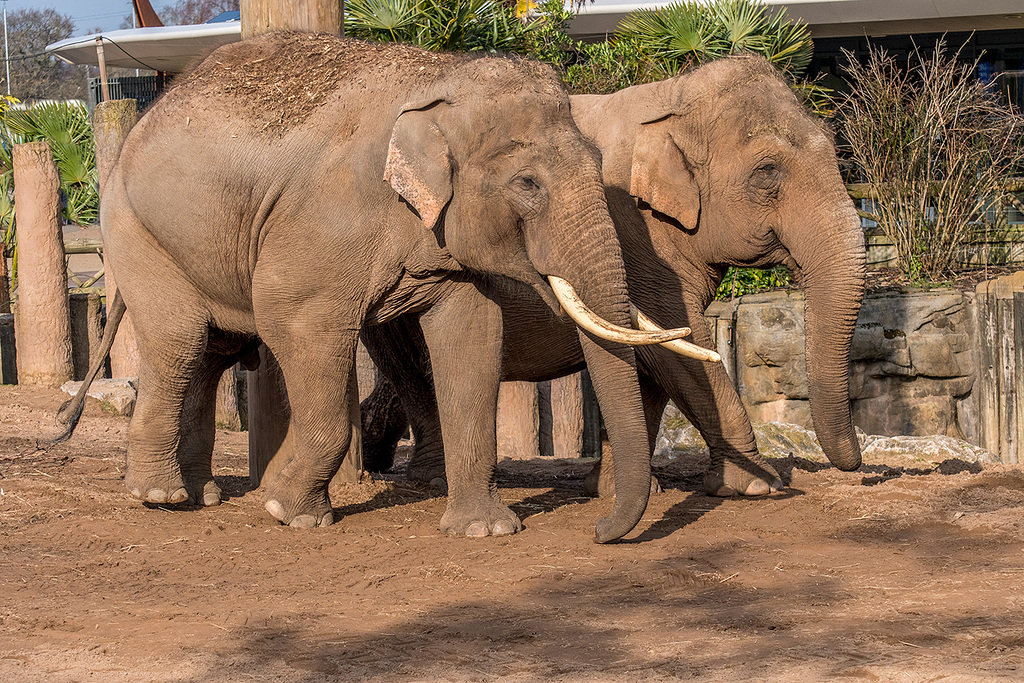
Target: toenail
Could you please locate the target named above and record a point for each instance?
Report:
(503, 527)
(303, 522)
(275, 508)
(476, 530)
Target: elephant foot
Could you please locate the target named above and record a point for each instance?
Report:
(751, 477)
(600, 483)
(489, 517)
(167, 490)
(302, 510)
(204, 492)
(427, 472)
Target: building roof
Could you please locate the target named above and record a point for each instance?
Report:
(171, 48)
(160, 48)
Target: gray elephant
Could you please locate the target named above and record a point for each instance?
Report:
(296, 187)
(721, 166)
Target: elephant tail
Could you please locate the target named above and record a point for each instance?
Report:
(71, 411)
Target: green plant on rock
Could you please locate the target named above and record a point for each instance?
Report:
(741, 281)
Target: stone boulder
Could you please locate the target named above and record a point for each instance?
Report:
(117, 395)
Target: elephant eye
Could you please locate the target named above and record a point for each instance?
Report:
(526, 183)
(766, 177)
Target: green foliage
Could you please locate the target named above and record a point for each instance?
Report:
(67, 129)
(740, 281)
(654, 44)
(442, 25)
(936, 146)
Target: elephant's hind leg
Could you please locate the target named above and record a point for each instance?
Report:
(167, 368)
(198, 429)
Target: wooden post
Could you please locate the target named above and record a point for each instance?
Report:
(591, 418)
(518, 421)
(1018, 390)
(86, 330)
(269, 420)
(321, 16)
(104, 84)
(567, 416)
(111, 121)
(5, 283)
(42, 320)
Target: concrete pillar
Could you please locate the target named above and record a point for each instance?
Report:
(518, 421)
(111, 122)
(42, 319)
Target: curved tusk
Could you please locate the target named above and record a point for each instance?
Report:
(591, 322)
(683, 348)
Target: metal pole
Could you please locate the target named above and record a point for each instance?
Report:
(7, 54)
(104, 86)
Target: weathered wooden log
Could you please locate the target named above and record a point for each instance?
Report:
(561, 417)
(42, 320)
(111, 122)
(518, 421)
(261, 16)
(86, 330)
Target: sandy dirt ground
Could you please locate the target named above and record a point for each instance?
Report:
(903, 571)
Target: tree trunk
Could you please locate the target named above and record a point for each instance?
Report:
(319, 16)
(42, 318)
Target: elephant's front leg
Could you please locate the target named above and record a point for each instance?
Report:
(706, 396)
(316, 353)
(463, 335)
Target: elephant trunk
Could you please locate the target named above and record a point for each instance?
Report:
(832, 273)
(585, 252)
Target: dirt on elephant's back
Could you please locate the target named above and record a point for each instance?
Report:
(904, 570)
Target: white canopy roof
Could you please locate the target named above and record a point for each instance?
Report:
(171, 48)
(161, 48)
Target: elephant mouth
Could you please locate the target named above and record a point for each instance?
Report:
(647, 332)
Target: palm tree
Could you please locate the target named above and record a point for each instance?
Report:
(67, 129)
(684, 34)
(442, 25)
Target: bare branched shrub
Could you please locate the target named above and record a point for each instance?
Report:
(937, 147)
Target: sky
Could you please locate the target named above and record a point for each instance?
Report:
(87, 14)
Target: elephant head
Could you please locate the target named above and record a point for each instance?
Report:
(726, 162)
(520, 195)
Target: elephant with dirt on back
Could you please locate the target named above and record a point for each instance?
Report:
(718, 167)
(295, 188)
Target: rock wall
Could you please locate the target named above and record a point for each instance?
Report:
(913, 363)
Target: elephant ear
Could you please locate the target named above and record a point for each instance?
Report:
(419, 166)
(662, 174)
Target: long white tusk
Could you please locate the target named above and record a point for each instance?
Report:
(683, 348)
(588, 320)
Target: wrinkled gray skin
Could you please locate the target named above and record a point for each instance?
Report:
(415, 184)
(717, 167)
